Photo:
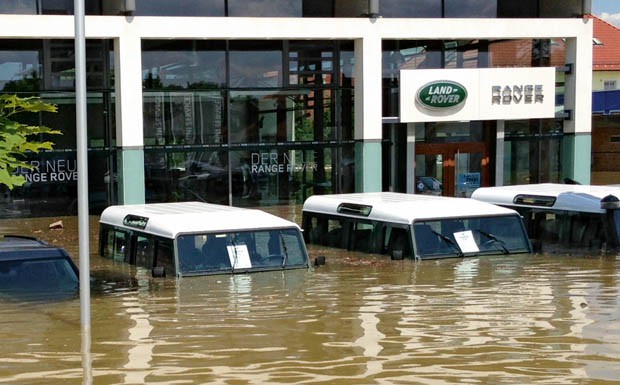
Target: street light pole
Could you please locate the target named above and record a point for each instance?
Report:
(82, 165)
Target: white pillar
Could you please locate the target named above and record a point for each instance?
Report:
(410, 158)
(368, 123)
(129, 128)
(578, 84)
(128, 86)
(499, 153)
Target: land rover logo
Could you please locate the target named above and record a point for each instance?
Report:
(441, 94)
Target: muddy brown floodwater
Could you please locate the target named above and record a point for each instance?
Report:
(359, 319)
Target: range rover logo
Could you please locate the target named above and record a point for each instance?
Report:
(441, 94)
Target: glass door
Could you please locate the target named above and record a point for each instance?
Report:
(468, 172)
(451, 169)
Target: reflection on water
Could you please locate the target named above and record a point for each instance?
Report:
(359, 319)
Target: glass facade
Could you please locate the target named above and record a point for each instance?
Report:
(45, 69)
(532, 151)
(441, 148)
(308, 8)
(358, 8)
(247, 122)
(256, 122)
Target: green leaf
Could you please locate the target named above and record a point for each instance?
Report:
(17, 139)
(11, 180)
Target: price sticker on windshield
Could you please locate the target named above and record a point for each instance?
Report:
(465, 240)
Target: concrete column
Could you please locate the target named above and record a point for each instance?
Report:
(576, 151)
(368, 132)
(129, 130)
(410, 158)
(578, 100)
(499, 153)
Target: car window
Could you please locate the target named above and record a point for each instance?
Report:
(40, 275)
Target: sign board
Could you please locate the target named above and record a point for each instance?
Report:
(466, 241)
(477, 94)
(239, 257)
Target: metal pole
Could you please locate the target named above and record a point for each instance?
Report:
(82, 164)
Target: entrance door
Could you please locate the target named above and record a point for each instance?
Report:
(451, 169)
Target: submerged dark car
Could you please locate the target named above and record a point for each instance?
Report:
(31, 269)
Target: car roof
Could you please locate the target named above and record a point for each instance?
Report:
(403, 208)
(568, 197)
(171, 219)
(15, 247)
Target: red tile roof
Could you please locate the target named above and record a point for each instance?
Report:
(605, 57)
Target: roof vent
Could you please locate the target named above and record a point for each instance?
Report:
(534, 200)
(354, 209)
(135, 221)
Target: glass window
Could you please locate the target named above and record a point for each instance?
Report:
(261, 250)
(173, 175)
(527, 53)
(183, 64)
(362, 237)
(270, 117)
(19, 7)
(317, 9)
(145, 251)
(609, 85)
(22, 68)
(278, 174)
(561, 8)
(164, 257)
(410, 8)
(115, 244)
(315, 228)
(558, 230)
(56, 7)
(180, 8)
(444, 132)
(183, 118)
(286, 143)
(51, 187)
(470, 8)
(265, 8)
(20, 65)
(495, 235)
(532, 151)
(337, 233)
(515, 9)
(46, 276)
(255, 64)
(397, 242)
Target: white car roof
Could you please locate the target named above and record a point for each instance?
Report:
(404, 208)
(170, 219)
(569, 197)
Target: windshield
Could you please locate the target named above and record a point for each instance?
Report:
(240, 251)
(470, 236)
(48, 277)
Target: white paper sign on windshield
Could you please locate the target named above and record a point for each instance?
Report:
(239, 257)
(465, 240)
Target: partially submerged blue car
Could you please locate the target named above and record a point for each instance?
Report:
(31, 269)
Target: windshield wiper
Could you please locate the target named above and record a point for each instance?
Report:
(495, 240)
(234, 246)
(450, 242)
(285, 255)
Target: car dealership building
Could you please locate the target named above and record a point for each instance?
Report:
(270, 101)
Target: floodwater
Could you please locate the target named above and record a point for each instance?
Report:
(358, 319)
